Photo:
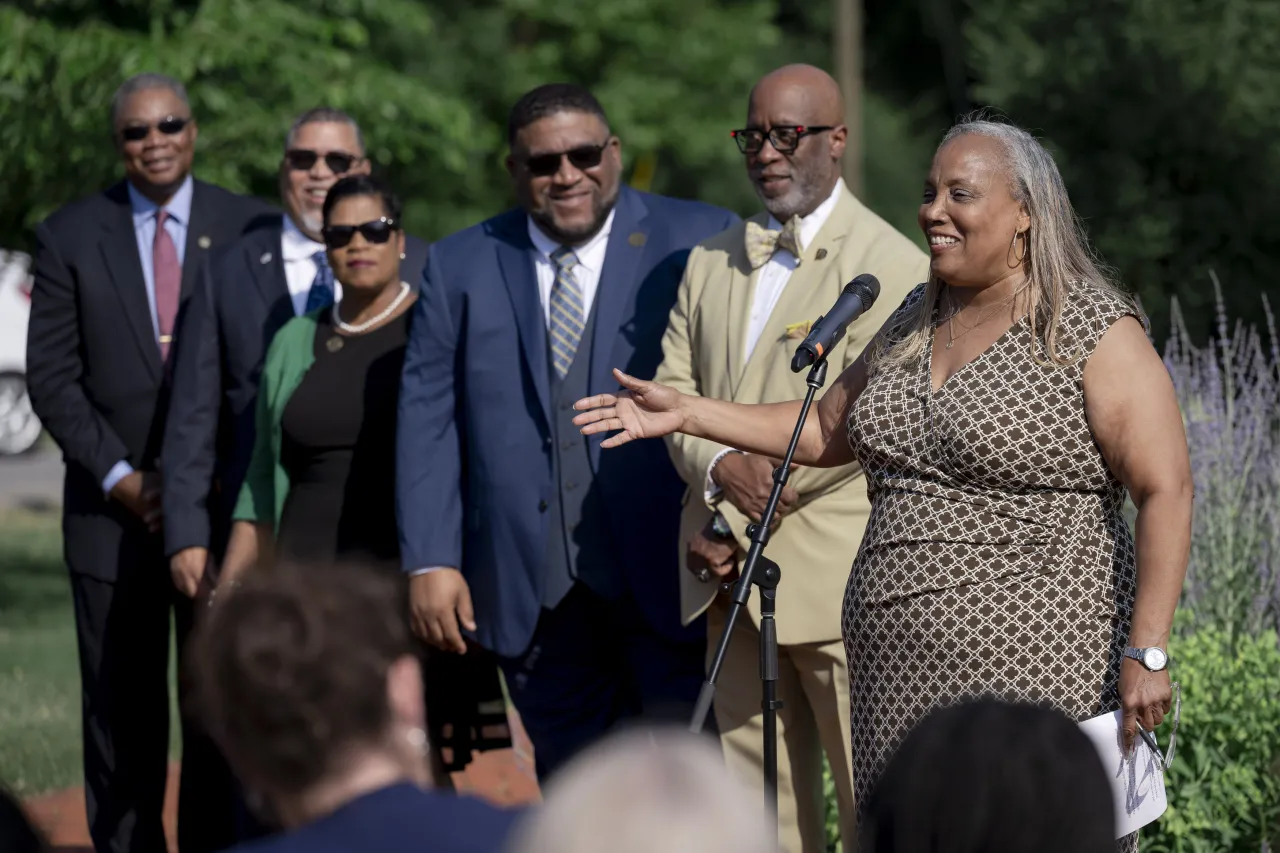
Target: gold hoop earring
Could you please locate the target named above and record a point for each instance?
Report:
(1017, 259)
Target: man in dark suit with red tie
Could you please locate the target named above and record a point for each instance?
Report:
(111, 271)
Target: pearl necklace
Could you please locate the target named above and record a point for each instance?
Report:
(372, 321)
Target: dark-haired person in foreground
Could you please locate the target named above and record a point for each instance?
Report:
(111, 271)
(518, 533)
(988, 776)
(308, 677)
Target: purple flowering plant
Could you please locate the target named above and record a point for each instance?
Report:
(1229, 393)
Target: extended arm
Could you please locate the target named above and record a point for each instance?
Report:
(1134, 415)
(649, 410)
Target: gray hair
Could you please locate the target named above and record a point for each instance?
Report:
(323, 114)
(143, 83)
(643, 792)
(1058, 256)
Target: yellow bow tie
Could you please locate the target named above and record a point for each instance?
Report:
(762, 242)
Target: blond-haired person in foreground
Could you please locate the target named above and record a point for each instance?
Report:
(645, 792)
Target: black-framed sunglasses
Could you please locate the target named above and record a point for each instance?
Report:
(377, 231)
(784, 138)
(583, 157)
(169, 126)
(302, 160)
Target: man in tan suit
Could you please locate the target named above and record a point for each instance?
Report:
(746, 301)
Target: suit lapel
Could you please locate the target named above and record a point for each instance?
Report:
(198, 241)
(628, 242)
(262, 255)
(516, 260)
(742, 287)
(119, 247)
(804, 297)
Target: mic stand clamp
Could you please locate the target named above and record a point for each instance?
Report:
(759, 570)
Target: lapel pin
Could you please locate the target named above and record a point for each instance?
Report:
(637, 238)
(204, 242)
(822, 253)
(265, 259)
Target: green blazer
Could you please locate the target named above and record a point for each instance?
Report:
(266, 484)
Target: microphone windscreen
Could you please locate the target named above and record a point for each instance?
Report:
(867, 288)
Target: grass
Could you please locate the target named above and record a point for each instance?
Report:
(40, 747)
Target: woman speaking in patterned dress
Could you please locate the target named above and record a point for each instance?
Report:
(1000, 416)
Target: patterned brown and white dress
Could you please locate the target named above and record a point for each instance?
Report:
(996, 561)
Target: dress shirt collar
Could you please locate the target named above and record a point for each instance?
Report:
(810, 225)
(179, 207)
(590, 254)
(296, 246)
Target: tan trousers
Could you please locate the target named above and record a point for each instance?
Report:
(813, 684)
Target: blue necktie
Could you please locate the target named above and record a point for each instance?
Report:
(567, 315)
(321, 293)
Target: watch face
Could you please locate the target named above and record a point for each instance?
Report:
(1154, 659)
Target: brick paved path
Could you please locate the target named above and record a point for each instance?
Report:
(504, 776)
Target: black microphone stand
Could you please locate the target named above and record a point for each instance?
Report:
(764, 573)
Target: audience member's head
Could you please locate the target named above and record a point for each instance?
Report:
(565, 163)
(990, 777)
(307, 678)
(155, 133)
(641, 793)
(323, 145)
(17, 835)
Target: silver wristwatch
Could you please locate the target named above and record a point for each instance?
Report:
(1153, 658)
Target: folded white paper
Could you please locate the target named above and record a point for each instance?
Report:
(1137, 781)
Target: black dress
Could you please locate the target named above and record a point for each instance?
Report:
(338, 446)
(339, 449)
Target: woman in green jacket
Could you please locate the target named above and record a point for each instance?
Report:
(321, 482)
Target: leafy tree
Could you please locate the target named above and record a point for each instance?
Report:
(430, 81)
(1163, 117)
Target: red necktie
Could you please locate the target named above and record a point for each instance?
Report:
(167, 272)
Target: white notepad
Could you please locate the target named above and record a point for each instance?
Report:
(1137, 782)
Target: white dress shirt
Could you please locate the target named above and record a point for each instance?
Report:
(771, 280)
(586, 272)
(297, 251)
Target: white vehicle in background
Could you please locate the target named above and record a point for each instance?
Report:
(19, 426)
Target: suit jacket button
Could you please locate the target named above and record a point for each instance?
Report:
(542, 506)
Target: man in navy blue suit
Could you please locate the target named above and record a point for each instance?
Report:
(518, 533)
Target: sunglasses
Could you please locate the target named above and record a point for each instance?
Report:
(783, 138)
(301, 160)
(170, 126)
(377, 231)
(583, 157)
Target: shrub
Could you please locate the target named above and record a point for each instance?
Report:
(1224, 783)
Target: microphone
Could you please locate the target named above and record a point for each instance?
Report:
(855, 300)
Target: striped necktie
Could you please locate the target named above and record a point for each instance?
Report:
(322, 292)
(567, 315)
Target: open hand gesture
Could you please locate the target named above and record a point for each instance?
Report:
(643, 410)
